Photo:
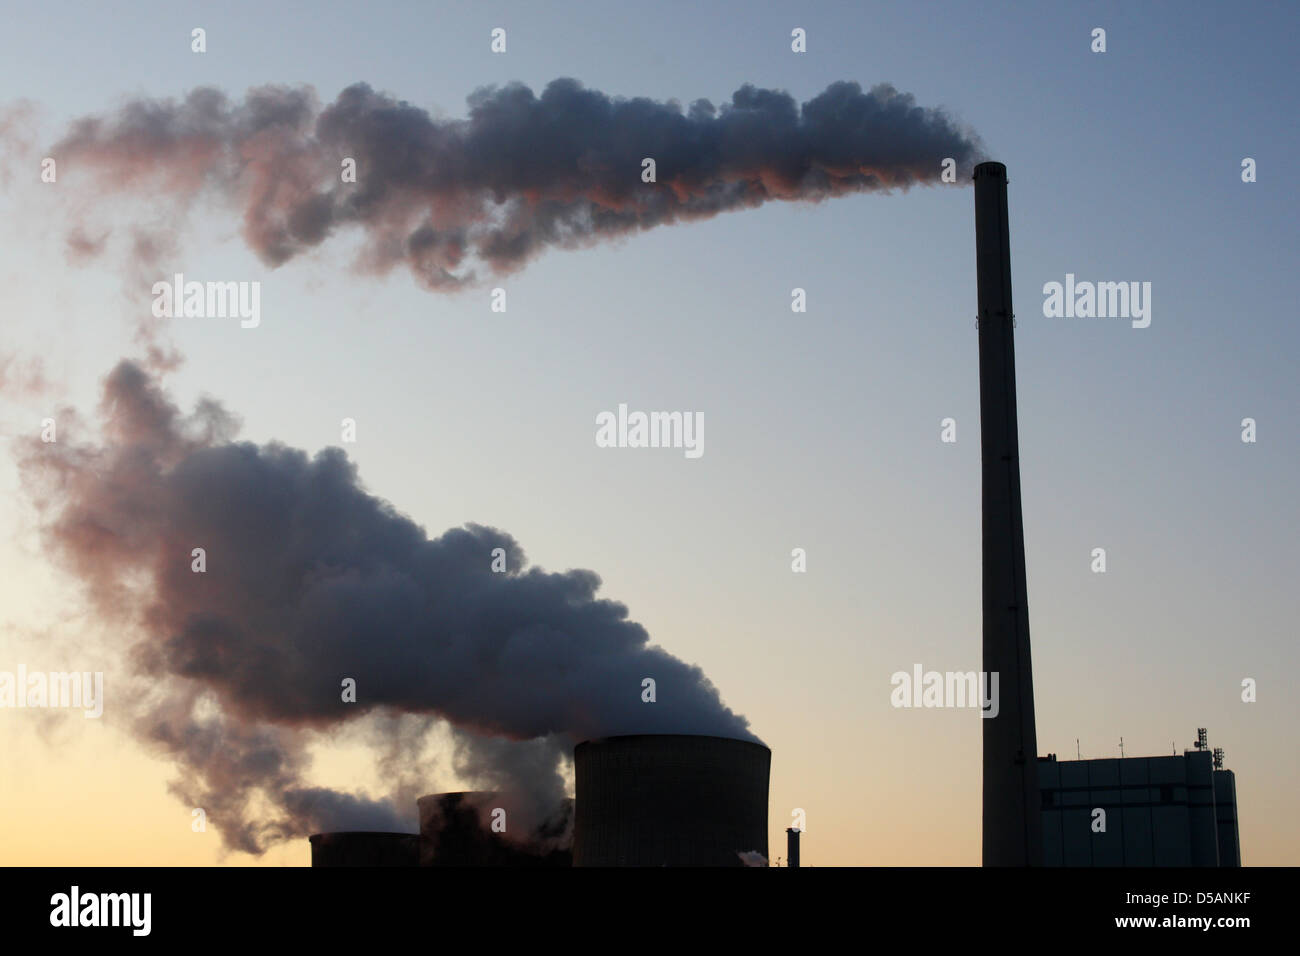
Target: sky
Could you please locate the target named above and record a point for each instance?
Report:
(823, 427)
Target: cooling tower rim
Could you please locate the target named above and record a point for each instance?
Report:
(627, 738)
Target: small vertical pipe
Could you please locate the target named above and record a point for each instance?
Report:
(792, 846)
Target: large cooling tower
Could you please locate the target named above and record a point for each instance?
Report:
(456, 830)
(669, 800)
(363, 848)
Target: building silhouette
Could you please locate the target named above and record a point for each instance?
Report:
(641, 800)
(1178, 810)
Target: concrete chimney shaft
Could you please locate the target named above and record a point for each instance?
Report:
(1012, 824)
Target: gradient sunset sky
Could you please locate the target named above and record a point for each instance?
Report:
(823, 428)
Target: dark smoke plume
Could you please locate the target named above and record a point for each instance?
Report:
(521, 173)
(310, 580)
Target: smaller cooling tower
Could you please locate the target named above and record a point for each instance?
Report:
(455, 830)
(363, 848)
(669, 800)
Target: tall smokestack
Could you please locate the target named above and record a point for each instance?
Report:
(1012, 824)
(791, 846)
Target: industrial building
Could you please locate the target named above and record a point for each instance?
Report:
(1177, 810)
(1147, 811)
(642, 800)
(670, 800)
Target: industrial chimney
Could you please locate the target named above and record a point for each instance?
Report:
(1012, 812)
(791, 846)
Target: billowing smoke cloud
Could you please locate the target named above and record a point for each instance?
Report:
(520, 174)
(309, 581)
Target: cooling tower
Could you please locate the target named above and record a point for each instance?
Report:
(669, 800)
(363, 848)
(456, 829)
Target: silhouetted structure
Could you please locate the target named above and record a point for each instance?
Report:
(1012, 829)
(791, 846)
(456, 830)
(669, 800)
(363, 848)
(1225, 817)
(1159, 811)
